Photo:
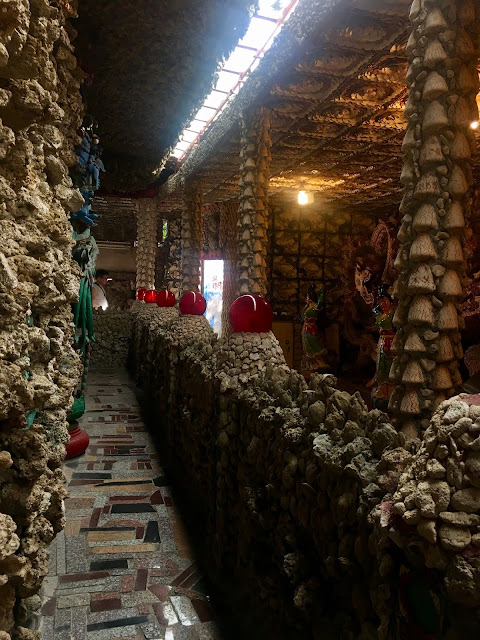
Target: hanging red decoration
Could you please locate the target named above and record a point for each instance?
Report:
(141, 294)
(165, 298)
(150, 296)
(192, 304)
(251, 314)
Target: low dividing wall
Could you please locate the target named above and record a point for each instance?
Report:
(313, 508)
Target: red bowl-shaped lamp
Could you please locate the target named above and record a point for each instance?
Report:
(141, 294)
(150, 296)
(251, 314)
(192, 304)
(165, 298)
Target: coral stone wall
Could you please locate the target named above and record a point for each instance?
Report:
(40, 109)
(316, 506)
(297, 466)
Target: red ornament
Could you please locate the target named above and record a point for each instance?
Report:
(78, 442)
(165, 298)
(192, 304)
(150, 296)
(251, 314)
(141, 294)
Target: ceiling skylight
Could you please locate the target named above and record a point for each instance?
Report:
(264, 27)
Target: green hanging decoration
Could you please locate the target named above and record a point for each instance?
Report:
(85, 254)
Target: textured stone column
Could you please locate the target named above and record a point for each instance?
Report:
(174, 255)
(228, 242)
(191, 237)
(147, 243)
(253, 209)
(438, 144)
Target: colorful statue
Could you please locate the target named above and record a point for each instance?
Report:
(314, 351)
(381, 387)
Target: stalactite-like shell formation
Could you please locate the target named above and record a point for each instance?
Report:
(191, 238)
(147, 243)
(255, 157)
(437, 175)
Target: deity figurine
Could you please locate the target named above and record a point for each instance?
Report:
(314, 351)
(381, 387)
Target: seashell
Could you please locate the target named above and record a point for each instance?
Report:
(435, 22)
(414, 343)
(460, 148)
(445, 349)
(410, 404)
(408, 174)
(448, 318)
(421, 311)
(413, 373)
(427, 185)
(435, 86)
(461, 118)
(431, 151)
(457, 185)
(435, 117)
(434, 53)
(454, 218)
(421, 280)
(465, 81)
(409, 140)
(464, 46)
(450, 284)
(441, 378)
(422, 249)
(415, 9)
(466, 12)
(425, 218)
(452, 253)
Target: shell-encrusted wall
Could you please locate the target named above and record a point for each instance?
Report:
(174, 255)
(443, 82)
(113, 329)
(40, 110)
(228, 243)
(255, 158)
(147, 243)
(191, 237)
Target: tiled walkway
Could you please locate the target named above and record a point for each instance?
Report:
(123, 567)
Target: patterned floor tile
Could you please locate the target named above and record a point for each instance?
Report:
(123, 567)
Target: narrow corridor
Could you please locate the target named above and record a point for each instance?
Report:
(122, 568)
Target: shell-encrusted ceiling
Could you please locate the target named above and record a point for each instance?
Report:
(151, 64)
(338, 113)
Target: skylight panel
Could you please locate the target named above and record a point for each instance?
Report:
(189, 136)
(264, 27)
(197, 126)
(226, 81)
(258, 33)
(215, 99)
(240, 60)
(205, 113)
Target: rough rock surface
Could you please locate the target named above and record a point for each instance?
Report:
(112, 339)
(40, 109)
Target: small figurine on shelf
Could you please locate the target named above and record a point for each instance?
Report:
(314, 351)
(381, 386)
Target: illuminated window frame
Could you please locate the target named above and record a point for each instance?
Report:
(207, 114)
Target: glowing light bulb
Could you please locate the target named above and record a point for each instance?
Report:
(302, 197)
(305, 197)
(474, 125)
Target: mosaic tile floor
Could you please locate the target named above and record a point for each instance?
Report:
(123, 567)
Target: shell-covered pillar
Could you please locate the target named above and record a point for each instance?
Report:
(252, 225)
(228, 242)
(174, 254)
(437, 175)
(191, 237)
(147, 242)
